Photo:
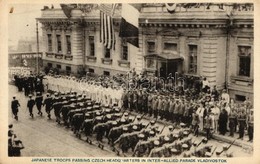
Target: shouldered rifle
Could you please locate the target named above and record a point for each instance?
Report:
(203, 139)
(209, 154)
(225, 149)
(162, 129)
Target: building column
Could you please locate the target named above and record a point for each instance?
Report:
(63, 42)
(77, 44)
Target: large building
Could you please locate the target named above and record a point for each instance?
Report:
(213, 41)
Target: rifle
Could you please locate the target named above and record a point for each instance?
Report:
(210, 154)
(201, 141)
(141, 117)
(162, 129)
(219, 153)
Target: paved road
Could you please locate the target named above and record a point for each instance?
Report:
(45, 138)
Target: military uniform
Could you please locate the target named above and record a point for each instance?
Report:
(38, 101)
(30, 105)
(208, 126)
(14, 105)
(242, 124)
(232, 120)
(48, 104)
(251, 126)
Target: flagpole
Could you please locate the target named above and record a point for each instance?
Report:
(37, 40)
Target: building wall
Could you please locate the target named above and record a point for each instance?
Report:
(116, 53)
(217, 57)
(240, 85)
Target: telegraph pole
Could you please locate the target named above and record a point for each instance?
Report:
(37, 38)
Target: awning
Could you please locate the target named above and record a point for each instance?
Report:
(163, 56)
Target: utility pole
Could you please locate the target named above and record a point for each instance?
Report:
(37, 40)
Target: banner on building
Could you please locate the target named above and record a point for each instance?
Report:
(129, 24)
(25, 59)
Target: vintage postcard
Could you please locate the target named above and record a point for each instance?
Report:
(129, 82)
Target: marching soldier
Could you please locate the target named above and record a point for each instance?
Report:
(140, 148)
(48, 103)
(38, 101)
(65, 111)
(57, 107)
(30, 105)
(14, 105)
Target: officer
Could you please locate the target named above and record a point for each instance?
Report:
(48, 104)
(38, 101)
(242, 123)
(251, 125)
(30, 105)
(14, 105)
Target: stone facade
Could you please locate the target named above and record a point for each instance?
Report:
(194, 41)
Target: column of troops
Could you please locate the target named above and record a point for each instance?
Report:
(92, 109)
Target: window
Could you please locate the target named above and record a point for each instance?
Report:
(68, 68)
(150, 46)
(244, 54)
(106, 73)
(124, 50)
(90, 70)
(150, 63)
(91, 46)
(58, 43)
(49, 65)
(193, 59)
(49, 42)
(240, 98)
(170, 47)
(68, 41)
(58, 66)
(107, 53)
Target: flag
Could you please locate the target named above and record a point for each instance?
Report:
(107, 32)
(170, 7)
(129, 24)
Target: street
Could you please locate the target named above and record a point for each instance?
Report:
(44, 138)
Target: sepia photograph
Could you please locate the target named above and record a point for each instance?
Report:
(131, 80)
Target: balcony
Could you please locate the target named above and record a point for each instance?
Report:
(106, 61)
(91, 58)
(68, 57)
(124, 63)
(49, 54)
(58, 56)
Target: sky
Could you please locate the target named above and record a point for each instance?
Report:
(22, 22)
